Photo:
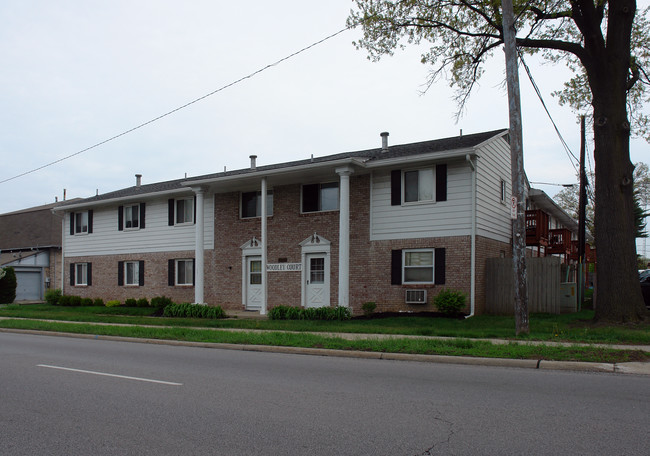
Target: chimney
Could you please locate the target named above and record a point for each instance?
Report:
(138, 180)
(64, 192)
(384, 141)
(253, 158)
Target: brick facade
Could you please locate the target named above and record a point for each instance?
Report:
(370, 261)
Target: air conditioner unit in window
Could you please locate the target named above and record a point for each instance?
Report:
(416, 296)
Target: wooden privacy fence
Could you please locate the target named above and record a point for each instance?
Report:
(544, 277)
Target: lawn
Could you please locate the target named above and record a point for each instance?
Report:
(545, 327)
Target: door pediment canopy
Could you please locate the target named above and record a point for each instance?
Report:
(315, 243)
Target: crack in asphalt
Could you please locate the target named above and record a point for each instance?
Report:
(430, 451)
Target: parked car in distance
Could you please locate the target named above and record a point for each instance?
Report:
(644, 278)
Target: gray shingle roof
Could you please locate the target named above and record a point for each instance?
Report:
(370, 155)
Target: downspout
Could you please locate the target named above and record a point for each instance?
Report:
(472, 293)
(63, 252)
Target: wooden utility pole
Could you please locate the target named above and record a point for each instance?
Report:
(517, 169)
(582, 216)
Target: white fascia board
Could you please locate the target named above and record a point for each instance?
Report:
(276, 171)
(123, 199)
(433, 156)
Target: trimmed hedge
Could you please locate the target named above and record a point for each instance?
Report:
(188, 310)
(310, 313)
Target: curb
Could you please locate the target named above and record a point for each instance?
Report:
(635, 368)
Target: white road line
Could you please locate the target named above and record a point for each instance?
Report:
(110, 375)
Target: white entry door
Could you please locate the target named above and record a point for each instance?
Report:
(253, 283)
(317, 287)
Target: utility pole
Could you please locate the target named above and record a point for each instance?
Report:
(517, 170)
(582, 216)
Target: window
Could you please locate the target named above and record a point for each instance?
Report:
(503, 195)
(251, 204)
(81, 222)
(184, 272)
(320, 197)
(132, 216)
(418, 266)
(419, 185)
(255, 275)
(80, 274)
(181, 211)
(184, 211)
(131, 273)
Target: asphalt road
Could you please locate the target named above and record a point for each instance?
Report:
(67, 396)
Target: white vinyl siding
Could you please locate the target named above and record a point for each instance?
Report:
(493, 166)
(425, 219)
(157, 237)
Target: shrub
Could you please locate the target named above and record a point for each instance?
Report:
(160, 302)
(130, 302)
(99, 302)
(87, 302)
(64, 300)
(310, 313)
(7, 285)
(368, 307)
(450, 302)
(188, 310)
(142, 302)
(75, 301)
(52, 296)
(113, 303)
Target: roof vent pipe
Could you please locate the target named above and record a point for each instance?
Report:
(253, 158)
(384, 141)
(138, 180)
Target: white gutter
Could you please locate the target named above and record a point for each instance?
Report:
(433, 156)
(107, 202)
(472, 292)
(276, 171)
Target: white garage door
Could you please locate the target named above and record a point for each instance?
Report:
(28, 285)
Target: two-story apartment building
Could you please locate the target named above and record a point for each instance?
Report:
(393, 225)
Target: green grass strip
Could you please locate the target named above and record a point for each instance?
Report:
(575, 327)
(454, 347)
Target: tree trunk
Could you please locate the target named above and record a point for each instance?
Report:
(619, 291)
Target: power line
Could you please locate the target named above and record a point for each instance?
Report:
(112, 138)
(541, 99)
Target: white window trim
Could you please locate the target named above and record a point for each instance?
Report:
(433, 189)
(319, 211)
(81, 233)
(189, 201)
(84, 266)
(503, 191)
(433, 269)
(131, 228)
(137, 274)
(177, 269)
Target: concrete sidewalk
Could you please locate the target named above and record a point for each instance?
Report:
(638, 368)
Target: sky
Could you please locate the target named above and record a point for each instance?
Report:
(76, 73)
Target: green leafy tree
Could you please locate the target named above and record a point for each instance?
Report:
(605, 44)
